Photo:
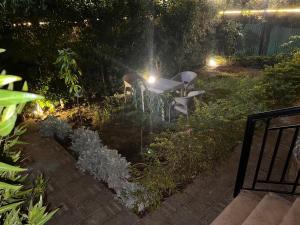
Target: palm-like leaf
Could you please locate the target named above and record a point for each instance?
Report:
(37, 214)
(9, 207)
(13, 218)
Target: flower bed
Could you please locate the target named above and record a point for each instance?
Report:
(104, 164)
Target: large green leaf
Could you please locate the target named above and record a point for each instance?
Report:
(8, 112)
(8, 97)
(6, 186)
(12, 218)
(7, 79)
(8, 125)
(9, 168)
(37, 214)
(9, 207)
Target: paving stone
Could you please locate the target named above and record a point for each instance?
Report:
(123, 218)
(98, 217)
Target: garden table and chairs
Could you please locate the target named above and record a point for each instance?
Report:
(187, 78)
(161, 87)
(182, 104)
(161, 92)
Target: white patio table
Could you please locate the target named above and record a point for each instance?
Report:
(162, 86)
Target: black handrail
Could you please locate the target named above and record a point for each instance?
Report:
(267, 117)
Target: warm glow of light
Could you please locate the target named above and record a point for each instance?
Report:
(259, 11)
(42, 23)
(212, 62)
(151, 79)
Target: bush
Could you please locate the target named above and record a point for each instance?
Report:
(53, 127)
(20, 202)
(106, 165)
(283, 80)
(176, 156)
(228, 36)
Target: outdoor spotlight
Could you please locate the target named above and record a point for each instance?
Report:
(151, 79)
(212, 63)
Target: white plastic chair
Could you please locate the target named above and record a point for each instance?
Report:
(187, 77)
(182, 104)
(128, 80)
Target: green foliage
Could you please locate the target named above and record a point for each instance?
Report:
(69, 70)
(157, 181)
(46, 105)
(228, 36)
(110, 106)
(13, 192)
(293, 44)
(258, 62)
(37, 213)
(183, 28)
(283, 80)
(115, 37)
(176, 156)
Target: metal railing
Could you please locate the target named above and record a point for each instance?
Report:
(264, 179)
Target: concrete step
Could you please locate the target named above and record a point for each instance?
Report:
(270, 211)
(293, 215)
(238, 210)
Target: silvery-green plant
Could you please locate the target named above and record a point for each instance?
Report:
(52, 127)
(105, 165)
(83, 139)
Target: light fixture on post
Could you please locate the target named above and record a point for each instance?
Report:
(212, 62)
(151, 79)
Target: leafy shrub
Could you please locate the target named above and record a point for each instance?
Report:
(293, 44)
(53, 127)
(283, 80)
(46, 105)
(69, 70)
(228, 36)
(176, 156)
(157, 182)
(15, 195)
(106, 165)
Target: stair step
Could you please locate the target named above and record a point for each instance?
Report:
(270, 211)
(293, 215)
(238, 210)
